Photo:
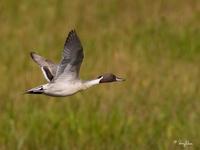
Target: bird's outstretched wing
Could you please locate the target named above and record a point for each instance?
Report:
(48, 67)
(72, 57)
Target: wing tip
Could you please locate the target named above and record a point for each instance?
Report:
(72, 31)
(72, 34)
(32, 54)
(73, 38)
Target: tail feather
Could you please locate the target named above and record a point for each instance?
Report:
(37, 90)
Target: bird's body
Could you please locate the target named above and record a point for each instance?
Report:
(62, 89)
(63, 79)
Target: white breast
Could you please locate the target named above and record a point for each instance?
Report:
(63, 89)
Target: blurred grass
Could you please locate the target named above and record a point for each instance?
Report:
(153, 44)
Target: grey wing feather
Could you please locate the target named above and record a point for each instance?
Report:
(48, 67)
(72, 57)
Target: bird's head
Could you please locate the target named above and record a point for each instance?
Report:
(109, 77)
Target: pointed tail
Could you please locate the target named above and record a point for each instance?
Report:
(36, 90)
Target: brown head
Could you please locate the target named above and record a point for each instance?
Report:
(109, 77)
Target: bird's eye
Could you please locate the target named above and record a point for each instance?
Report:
(99, 77)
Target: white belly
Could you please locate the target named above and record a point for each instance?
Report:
(63, 89)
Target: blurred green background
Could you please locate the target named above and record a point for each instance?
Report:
(155, 45)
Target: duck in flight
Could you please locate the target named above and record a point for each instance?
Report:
(63, 78)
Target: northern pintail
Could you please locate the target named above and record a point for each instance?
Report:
(63, 78)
